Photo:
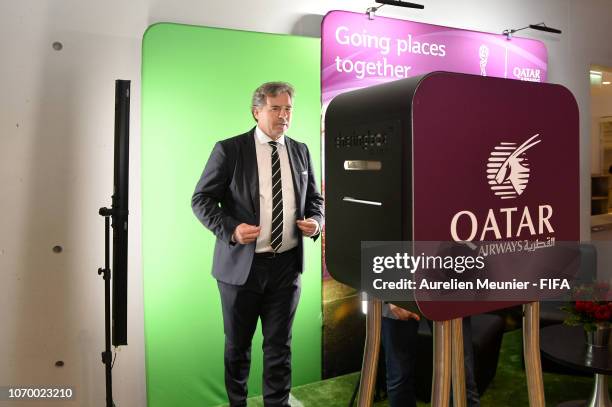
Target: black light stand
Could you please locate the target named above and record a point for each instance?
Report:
(107, 356)
(115, 289)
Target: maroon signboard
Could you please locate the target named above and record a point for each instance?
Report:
(495, 164)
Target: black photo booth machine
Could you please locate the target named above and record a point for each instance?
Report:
(387, 150)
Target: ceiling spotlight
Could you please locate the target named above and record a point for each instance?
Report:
(538, 26)
(371, 11)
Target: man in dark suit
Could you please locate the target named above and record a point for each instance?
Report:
(258, 195)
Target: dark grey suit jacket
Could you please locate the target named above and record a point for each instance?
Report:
(228, 195)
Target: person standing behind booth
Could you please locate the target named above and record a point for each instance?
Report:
(258, 195)
(399, 330)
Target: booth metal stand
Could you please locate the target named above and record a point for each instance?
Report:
(458, 363)
(441, 380)
(531, 352)
(448, 358)
(370, 353)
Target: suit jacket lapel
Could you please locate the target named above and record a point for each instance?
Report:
(249, 157)
(294, 171)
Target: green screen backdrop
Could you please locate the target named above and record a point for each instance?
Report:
(196, 88)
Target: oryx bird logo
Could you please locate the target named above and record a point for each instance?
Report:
(508, 168)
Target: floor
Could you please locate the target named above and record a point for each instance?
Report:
(508, 389)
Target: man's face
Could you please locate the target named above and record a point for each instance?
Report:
(274, 117)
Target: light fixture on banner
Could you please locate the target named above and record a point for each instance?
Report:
(539, 26)
(371, 11)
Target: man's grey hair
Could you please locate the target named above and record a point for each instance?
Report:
(270, 89)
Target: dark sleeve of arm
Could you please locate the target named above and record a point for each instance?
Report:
(209, 193)
(314, 200)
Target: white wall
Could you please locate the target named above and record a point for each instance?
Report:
(56, 126)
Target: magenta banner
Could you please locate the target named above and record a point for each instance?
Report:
(358, 52)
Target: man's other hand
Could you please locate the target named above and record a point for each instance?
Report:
(245, 234)
(309, 227)
(403, 314)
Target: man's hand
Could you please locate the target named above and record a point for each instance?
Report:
(403, 314)
(245, 234)
(308, 226)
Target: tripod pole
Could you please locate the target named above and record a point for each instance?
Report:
(107, 357)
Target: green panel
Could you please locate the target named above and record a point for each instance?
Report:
(196, 88)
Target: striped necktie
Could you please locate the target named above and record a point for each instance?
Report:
(276, 238)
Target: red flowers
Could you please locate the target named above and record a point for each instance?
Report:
(602, 313)
(599, 311)
(592, 306)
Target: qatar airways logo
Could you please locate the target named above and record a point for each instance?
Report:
(527, 74)
(508, 168)
(508, 174)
